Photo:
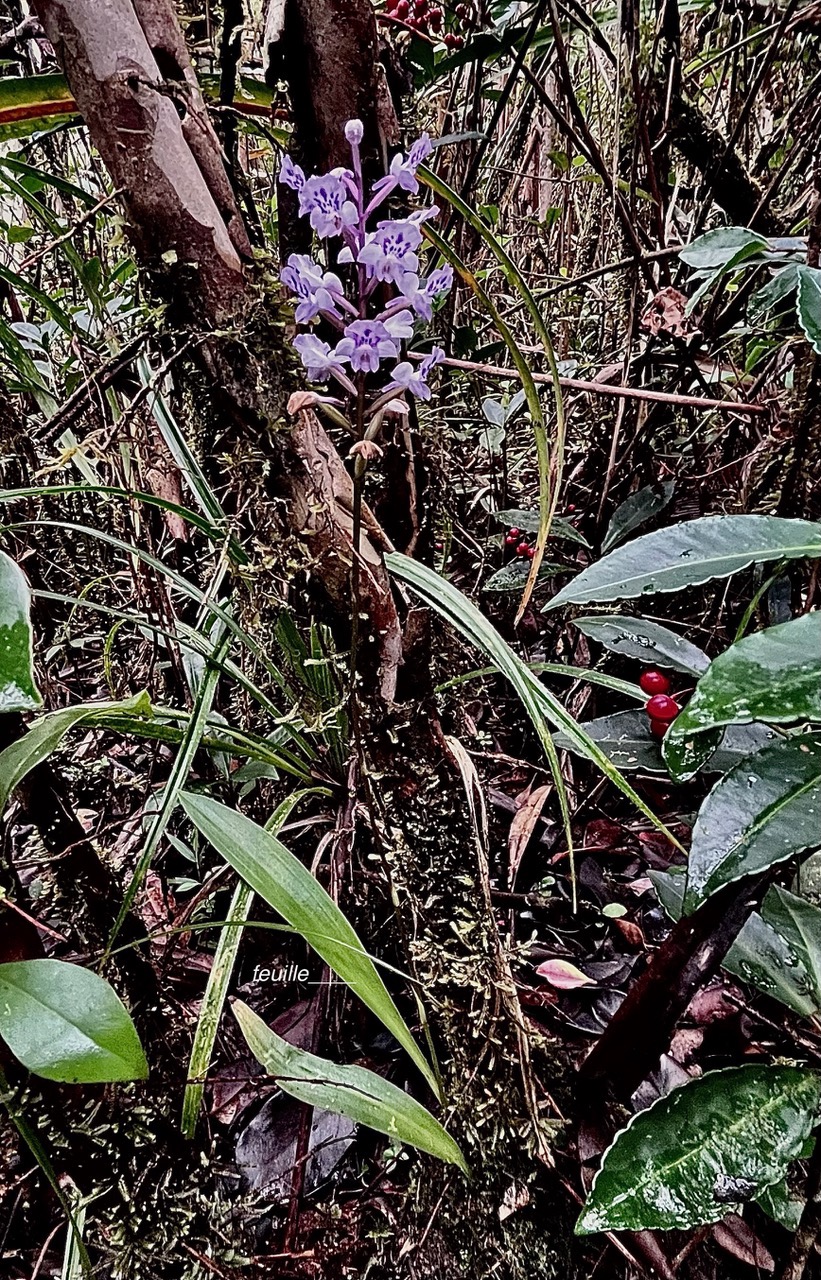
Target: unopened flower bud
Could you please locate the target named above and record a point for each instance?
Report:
(354, 132)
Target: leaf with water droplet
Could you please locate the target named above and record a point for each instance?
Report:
(644, 640)
(772, 676)
(743, 829)
(740, 1127)
(715, 547)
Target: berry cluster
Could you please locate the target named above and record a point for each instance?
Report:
(516, 538)
(660, 707)
(425, 18)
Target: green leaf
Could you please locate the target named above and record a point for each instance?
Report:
(777, 290)
(717, 248)
(276, 875)
(703, 1150)
(361, 1095)
(18, 692)
(768, 951)
(219, 978)
(528, 522)
(763, 811)
(762, 956)
(66, 1023)
(690, 553)
(635, 510)
(646, 641)
(779, 1203)
(773, 676)
(809, 305)
(624, 737)
(513, 576)
(46, 734)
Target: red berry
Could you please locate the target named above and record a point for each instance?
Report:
(511, 540)
(531, 551)
(420, 7)
(402, 9)
(571, 507)
(458, 42)
(514, 533)
(660, 707)
(522, 548)
(654, 682)
(658, 728)
(435, 19)
(450, 40)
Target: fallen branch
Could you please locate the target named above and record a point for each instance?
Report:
(613, 389)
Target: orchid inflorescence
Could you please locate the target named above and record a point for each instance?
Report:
(336, 206)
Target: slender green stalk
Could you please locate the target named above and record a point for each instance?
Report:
(550, 475)
(179, 774)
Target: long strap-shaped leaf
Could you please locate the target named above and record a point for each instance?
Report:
(219, 980)
(539, 702)
(276, 875)
(549, 485)
(361, 1095)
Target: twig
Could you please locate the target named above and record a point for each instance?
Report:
(613, 389)
(88, 216)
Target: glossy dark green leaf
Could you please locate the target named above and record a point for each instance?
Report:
(703, 1150)
(779, 1203)
(716, 248)
(624, 737)
(626, 740)
(766, 809)
(776, 291)
(361, 1095)
(528, 522)
(772, 676)
(809, 305)
(513, 576)
(66, 1023)
(276, 875)
(636, 510)
(769, 956)
(647, 642)
(687, 554)
(18, 692)
(46, 734)
(798, 922)
(768, 951)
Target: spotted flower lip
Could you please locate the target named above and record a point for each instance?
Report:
(390, 251)
(319, 361)
(291, 174)
(365, 343)
(326, 199)
(421, 295)
(403, 172)
(318, 292)
(407, 377)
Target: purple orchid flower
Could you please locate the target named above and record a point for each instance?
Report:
(319, 292)
(421, 296)
(317, 357)
(366, 342)
(327, 201)
(390, 251)
(403, 172)
(399, 325)
(291, 174)
(407, 377)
